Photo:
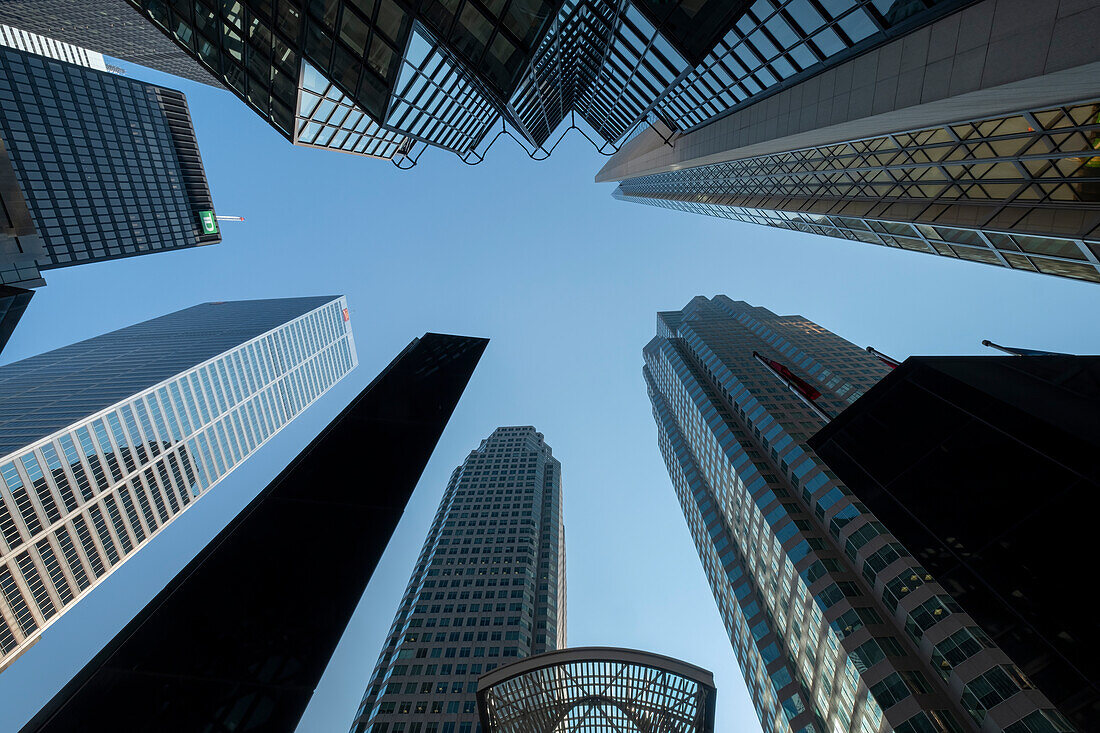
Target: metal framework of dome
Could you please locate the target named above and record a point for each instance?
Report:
(597, 690)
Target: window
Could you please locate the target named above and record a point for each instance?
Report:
(992, 688)
(928, 614)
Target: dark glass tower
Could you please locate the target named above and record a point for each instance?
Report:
(984, 466)
(238, 640)
(108, 26)
(488, 587)
(93, 166)
(835, 624)
(104, 442)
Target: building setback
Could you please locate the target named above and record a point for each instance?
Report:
(284, 576)
(104, 442)
(488, 587)
(984, 465)
(836, 626)
(108, 26)
(97, 167)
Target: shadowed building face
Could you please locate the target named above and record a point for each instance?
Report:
(239, 639)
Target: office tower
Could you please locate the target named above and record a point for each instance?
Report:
(836, 626)
(98, 166)
(107, 26)
(243, 633)
(596, 690)
(488, 587)
(964, 128)
(104, 442)
(971, 135)
(50, 48)
(985, 467)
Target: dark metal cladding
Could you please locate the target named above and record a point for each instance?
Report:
(238, 640)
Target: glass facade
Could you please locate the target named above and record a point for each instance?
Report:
(104, 442)
(488, 587)
(529, 64)
(107, 166)
(110, 28)
(983, 190)
(836, 627)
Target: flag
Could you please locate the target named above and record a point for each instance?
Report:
(804, 388)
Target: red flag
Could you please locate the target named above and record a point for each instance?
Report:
(800, 384)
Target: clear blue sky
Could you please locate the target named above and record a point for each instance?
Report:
(566, 282)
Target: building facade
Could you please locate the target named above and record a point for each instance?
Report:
(108, 27)
(944, 439)
(104, 442)
(970, 135)
(835, 625)
(963, 128)
(254, 663)
(488, 587)
(93, 166)
(51, 48)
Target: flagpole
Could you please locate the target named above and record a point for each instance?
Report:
(890, 362)
(808, 402)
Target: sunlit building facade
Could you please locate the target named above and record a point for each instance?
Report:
(973, 135)
(488, 588)
(836, 627)
(105, 442)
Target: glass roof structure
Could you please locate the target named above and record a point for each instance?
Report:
(597, 690)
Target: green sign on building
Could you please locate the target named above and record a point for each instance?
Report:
(209, 223)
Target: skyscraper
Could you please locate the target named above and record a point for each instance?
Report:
(51, 48)
(107, 26)
(93, 166)
(105, 441)
(982, 464)
(488, 587)
(963, 128)
(835, 625)
(240, 637)
(972, 134)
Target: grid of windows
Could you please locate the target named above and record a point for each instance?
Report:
(255, 48)
(113, 28)
(326, 118)
(971, 190)
(795, 562)
(113, 479)
(535, 62)
(43, 46)
(489, 585)
(781, 41)
(107, 164)
(435, 102)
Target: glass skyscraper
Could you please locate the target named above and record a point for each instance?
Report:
(109, 27)
(105, 441)
(973, 134)
(93, 166)
(836, 627)
(962, 128)
(488, 587)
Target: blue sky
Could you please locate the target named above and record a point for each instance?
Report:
(566, 282)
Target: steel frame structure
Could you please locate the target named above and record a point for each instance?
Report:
(597, 690)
